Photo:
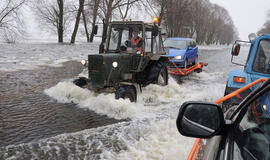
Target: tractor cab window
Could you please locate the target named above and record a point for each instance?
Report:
(157, 45)
(148, 40)
(125, 38)
(262, 59)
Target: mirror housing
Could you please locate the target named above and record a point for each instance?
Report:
(95, 29)
(236, 49)
(200, 119)
(155, 31)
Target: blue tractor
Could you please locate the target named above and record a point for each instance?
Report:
(257, 66)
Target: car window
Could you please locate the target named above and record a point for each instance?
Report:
(253, 134)
(177, 44)
(190, 44)
(194, 44)
(262, 59)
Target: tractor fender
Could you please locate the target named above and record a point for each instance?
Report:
(238, 73)
(164, 58)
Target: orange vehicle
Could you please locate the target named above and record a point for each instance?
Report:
(242, 132)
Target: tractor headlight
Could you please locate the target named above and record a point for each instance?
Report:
(115, 64)
(84, 62)
(178, 57)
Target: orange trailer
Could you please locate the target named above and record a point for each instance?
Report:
(185, 71)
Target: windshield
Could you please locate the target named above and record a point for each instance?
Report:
(177, 44)
(125, 38)
(262, 59)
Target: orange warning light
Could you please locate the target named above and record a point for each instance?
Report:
(155, 20)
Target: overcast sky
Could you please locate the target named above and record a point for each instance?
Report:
(248, 15)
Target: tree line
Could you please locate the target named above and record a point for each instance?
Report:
(206, 22)
(266, 27)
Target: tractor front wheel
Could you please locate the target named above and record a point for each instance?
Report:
(81, 81)
(126, 92)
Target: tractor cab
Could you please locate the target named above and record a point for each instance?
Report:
(134, 37)
(257, 66)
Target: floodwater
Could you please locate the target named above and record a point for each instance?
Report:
(27, 114)
(44, 116)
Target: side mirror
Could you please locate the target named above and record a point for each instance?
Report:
(155, 31)
(95, 29)
(199, 119)
(236, 49)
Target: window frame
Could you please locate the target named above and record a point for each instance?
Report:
(240, 115)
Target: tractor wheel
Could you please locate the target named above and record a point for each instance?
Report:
(158, 74)
(81, 81)
(126, 92)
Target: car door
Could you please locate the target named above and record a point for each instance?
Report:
(189, 52)
(249, 137)
(195, 49)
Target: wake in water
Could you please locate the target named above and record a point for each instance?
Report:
(151, 102)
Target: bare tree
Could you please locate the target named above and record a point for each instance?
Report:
(194, 18)
(60, 27)
(107, 7)
(94, 15)
(53, 16)
(266, 27)
(78, 17)
(85, 26)
(10, 21)
(124, 9)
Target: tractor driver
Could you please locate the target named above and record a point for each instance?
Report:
(136, 41)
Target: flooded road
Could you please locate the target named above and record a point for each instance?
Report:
(44, 116)
(27, 114)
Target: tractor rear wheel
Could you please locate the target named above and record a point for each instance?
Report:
(126, 92)
(158, 74)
